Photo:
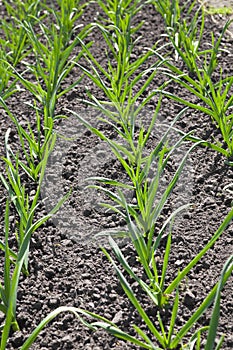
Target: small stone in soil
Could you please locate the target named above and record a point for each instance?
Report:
(37, 305)
(18, 339)
(118, 317)
(49, 273)
(189, 300)
(54, 302)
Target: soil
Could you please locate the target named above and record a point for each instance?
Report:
(67, 266)
(221, 10)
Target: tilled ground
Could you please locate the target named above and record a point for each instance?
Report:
(68, 268)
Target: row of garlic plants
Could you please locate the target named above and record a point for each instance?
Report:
(124, 84)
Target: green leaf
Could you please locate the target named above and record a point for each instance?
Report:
(197, 258)
(216, 311)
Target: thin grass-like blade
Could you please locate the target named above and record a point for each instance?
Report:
(216, 311)
(197, 258)
(205, 304)
(130, 294)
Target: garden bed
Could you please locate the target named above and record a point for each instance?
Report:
(66, 265)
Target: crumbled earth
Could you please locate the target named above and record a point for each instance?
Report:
(67, 266)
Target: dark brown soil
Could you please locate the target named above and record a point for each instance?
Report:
(67, 267)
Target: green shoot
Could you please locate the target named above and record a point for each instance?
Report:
(33, 144)
(8, 292)
(53, 63)
(170, 339)
(173, 337)
(18, 194)
(216, 98)
(119, 80)
(216, 311)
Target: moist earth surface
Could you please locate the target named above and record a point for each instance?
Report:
(67, 266)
